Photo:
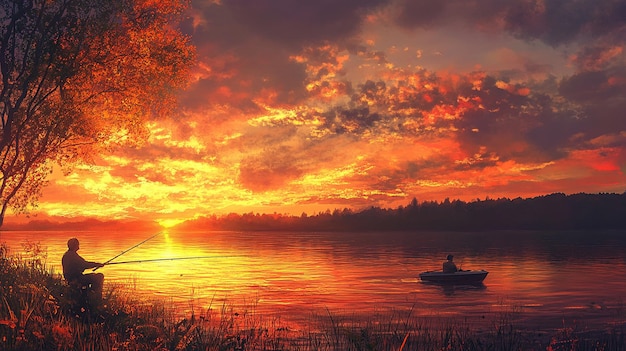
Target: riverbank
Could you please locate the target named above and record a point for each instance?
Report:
(37, 313)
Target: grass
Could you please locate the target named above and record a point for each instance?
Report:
(38, 312)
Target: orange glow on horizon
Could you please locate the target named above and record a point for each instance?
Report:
(170, 222)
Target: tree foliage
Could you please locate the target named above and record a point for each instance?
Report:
(78, 76)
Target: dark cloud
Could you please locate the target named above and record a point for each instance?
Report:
(427, 14)
(237, 61)
(350, 120)
(560, 21)
(297, 23)
(247, 46)
(498, 119)
(552, 139)
(597, 87)
(415, 169)
(378, 107)
(413, 13)
(606, 118)
(588, 87)
(545, 126)
(554, 22)
(601, 98)
(598, 57)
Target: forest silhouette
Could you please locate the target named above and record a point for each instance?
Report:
(556, 211)
(604, 211)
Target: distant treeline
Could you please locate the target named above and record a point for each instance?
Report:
(550, 212)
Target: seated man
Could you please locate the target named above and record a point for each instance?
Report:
(449, 266)
(73, 267)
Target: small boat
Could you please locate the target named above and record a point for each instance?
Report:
(458, 277)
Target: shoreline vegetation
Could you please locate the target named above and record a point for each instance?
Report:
(557, 211)
(36, 313)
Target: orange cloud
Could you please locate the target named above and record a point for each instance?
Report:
(310, 111)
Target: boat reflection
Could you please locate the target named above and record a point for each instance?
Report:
(450, 289)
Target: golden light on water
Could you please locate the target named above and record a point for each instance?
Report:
(342, 273)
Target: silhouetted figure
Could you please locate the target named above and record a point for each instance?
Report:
(73, 267)
(449, 266)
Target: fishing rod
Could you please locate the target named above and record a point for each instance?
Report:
(125, 251)
(168, 259)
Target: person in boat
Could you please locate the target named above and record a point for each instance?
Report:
(73, 267)
(449, 266)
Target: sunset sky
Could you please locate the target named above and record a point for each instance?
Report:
(306, 105)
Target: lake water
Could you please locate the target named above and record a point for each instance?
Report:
(547, 278)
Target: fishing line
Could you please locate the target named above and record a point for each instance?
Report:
(125, 251)
(169, 259)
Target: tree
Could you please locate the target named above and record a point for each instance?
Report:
(80, 76)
